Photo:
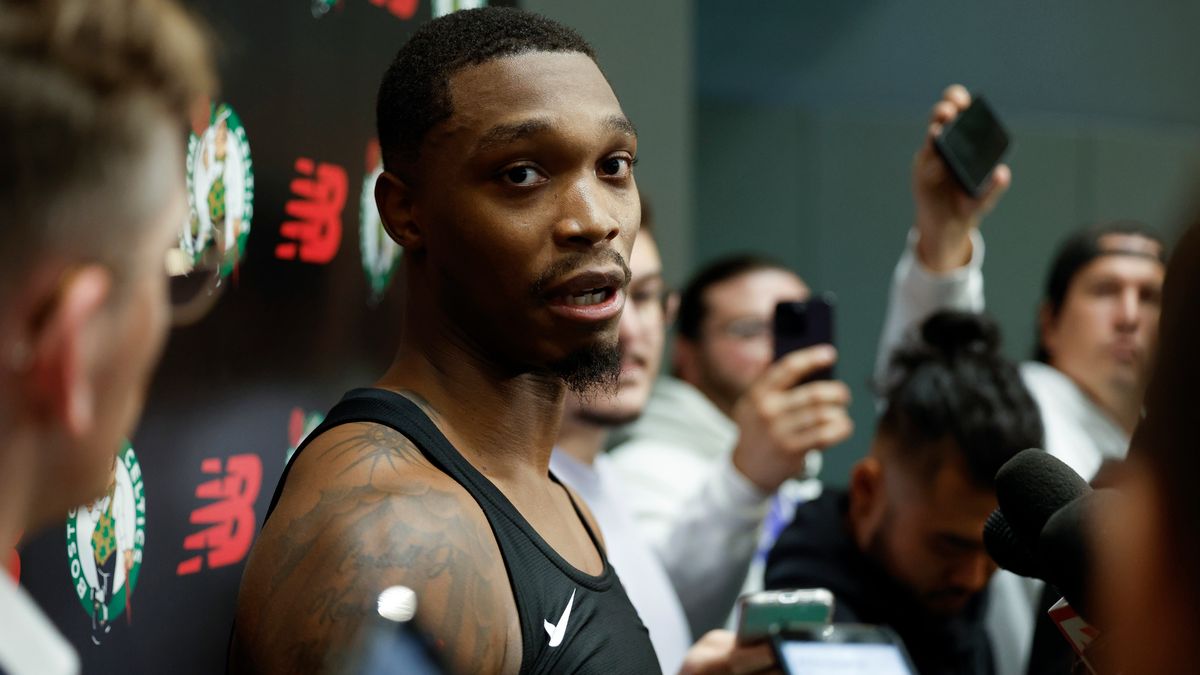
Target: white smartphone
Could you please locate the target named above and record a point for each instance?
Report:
(766, 612)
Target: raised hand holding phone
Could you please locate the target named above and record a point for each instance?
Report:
(786, 413)
(945, 213)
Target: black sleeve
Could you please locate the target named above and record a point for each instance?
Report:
(787, 567)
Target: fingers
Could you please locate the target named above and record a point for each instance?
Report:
(751, 660)
(796, 366)
(718, 654)
(955, 99)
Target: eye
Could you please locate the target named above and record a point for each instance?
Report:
(617, 167)
(523, 176)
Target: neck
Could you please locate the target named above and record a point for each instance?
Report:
(504, 423)
(580, 439)
(16, 488)
(1122, 405)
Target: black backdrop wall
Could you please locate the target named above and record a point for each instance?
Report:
(297, 310)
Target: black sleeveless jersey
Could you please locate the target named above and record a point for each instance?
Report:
(571, 622)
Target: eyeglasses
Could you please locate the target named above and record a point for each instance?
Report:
(745, 328)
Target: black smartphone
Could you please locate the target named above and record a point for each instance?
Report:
(972, 145)
(842, 649)
(799, 325)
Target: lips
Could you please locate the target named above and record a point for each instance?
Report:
(589, 296)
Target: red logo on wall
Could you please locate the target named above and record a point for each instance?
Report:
(315, 230)
(228, 520)
(14, 563)
(403, 9)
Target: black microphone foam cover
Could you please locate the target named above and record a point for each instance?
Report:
(1031, 486)
(1007, 549)
(1065, 547)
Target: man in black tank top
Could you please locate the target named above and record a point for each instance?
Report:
(508, 181)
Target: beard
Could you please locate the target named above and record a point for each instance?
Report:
(591, 371)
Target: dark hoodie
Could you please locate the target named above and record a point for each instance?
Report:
(817, 551)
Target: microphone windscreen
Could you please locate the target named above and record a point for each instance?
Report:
(1031, 486)
(1007, 549)
(1065, 547)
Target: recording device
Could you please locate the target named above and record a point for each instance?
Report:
(1031, 487)
(1006, 549)
(842, 649)
(972, 145)
(391, 643)
(764, 613)
(799, 325)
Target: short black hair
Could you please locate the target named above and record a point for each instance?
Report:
(692, 308)
(1075, 253)
(414, 95)
(950, 381)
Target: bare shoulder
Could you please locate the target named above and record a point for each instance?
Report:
(364, 510)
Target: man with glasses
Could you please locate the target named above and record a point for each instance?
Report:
(727, 433)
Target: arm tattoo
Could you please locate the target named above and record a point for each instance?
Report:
(373, 526)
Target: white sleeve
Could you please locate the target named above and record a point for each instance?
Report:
(709, 544)
(917, 292)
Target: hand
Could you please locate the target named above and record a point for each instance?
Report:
(780, 422)
(717, 653)
(945, 213)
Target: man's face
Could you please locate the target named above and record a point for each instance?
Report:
(1105, 332)
(930, 539)
(643, 328)
(527, 206)
(736, 341)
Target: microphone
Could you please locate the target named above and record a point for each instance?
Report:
(1065, 546)
(1031, 487)
(1007, 549)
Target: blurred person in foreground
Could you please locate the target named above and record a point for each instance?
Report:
(727, 434)
(95, 97)
(1148, 543)
(1097, 331)
(904, 546)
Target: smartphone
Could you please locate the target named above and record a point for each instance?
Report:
(972, 145)
(842, 649)
(799, 325)
(765, 613)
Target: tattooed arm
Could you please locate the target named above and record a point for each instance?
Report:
(363, 510)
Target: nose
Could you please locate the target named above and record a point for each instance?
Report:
(1128, 309)
(587, 217)
(974, 573)
(631, 327)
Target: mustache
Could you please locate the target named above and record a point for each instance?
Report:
(577, 261)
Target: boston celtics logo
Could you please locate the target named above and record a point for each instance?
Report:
(321, 7)
(220, 180)
(380, 253)
(105, 540)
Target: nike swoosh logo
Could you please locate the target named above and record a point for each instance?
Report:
(557, 632)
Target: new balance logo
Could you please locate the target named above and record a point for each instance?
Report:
(557, 632)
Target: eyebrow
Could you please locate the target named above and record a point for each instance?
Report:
(504, 134)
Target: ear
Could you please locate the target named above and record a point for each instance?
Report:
(1047, 326)
(867, 498)
(64, 356)
(394, 199)
(670, 309)
(686, 359)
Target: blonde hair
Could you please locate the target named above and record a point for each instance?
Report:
(88, 89)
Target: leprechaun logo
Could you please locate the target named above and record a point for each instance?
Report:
(105, 540)
(220, 180)
(380, 253)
